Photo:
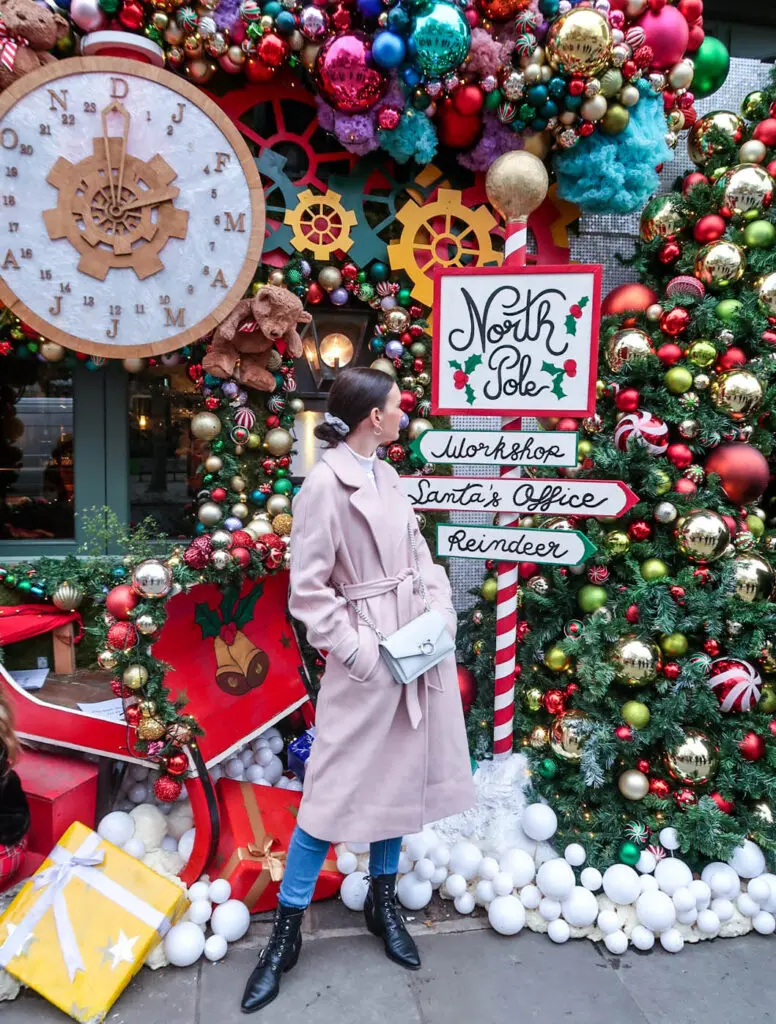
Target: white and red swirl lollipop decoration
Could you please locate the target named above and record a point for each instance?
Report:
(648, 429)
(735, 683)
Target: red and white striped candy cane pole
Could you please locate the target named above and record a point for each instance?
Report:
(516, 185)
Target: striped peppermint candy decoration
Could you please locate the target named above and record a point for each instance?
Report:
(244, 417)
(735, 683)
(649, 429)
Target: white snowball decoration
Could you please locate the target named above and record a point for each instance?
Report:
(117, 828)
(417, 846)
(770, 906)
(672, 941)
(539, 822)
(198, 891)
(263, 756)
(646, 863)
(138, 793)
(464, 903)
(708, 923)
(440, 874)
(489, 868)
(200, 911)
(135, 847)
(347, 863)
(608, 921)
(169, 844)
(254, 773)
(621, 884)
(669, 838)
(747, 906)
(701, 892)
(219, 891)
(269, 733)
(507, 914)
(414, 893)
(354, 889)
(592, 879)
(295, 785)
(215, 948)
(231, 920)
(520, 865)
(405, 864)
(580, 908)
(246, 756)
(283, 782)
(616, 942)
(759, 890)
(530, 896)
(648, 883)
(484, 893)
(684, 899)
(179, 820)
(656, 911)
(724, 909)
(549, 909)
(273, 771)
(455, 885)
(186, 844)
(216, 773)
(503, 884)
(465, 859)
(234, 768)
(764, 923)
(440, 855)
(276, 744)
(575, 855)
(671, 874)
(687, 917)
(556, 879)
(184, 944)
(748, 860)
(138, 772)
(558, 931)
(642, 938)
(722, 880)
(425, 868)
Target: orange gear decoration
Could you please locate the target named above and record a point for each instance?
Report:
(321, 224)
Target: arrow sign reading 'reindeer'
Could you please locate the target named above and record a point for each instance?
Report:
(528, 497)
(504, 448)
(513, 544)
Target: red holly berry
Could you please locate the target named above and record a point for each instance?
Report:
(460, 379)
(703, 576)
(659, 788)
(639, 530)
(576, 311)
(570, 366)
(677, 593)
(555, 701)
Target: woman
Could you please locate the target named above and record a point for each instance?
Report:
(14, 811)
(387, 758)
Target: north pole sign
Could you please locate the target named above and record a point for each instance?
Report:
(516, 342)
(499, 447)
(513, 544)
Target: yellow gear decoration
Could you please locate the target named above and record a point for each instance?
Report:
(442, 233)
(321, 224)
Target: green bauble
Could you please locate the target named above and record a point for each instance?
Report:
(674, 645)
(440, 38)
(283, 486)
(379, 272)
(712, 63)
(727, 309)
(760, 234)
(756, 526)
(635, 714)
(404, 295)
(754, 107)
(548, 768)
(557, 660)
(590, 597)
(654, 569)
(615, 120)
(489, 589)
(617, 542)
(629, 854)
(663, 482)
(767, 701)
(678, 380)
(701, 352)
(493, 99)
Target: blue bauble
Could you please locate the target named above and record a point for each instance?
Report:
(285, 23)
(556, 87)
(399, 20)
(549, 8)
(370, 8)
(537, 95)
(539, 124)
(548, 109)
(388, 50)
(440, 38)
(377, 345)
(572, 102)
(411, 77)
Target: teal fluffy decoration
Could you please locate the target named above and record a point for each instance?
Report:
(413, 138)
(616, 173)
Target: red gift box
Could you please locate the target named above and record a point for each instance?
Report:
(60, 790)
(256, 827)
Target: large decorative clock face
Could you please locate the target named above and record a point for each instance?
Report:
(131, 211)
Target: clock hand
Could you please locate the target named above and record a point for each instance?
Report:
(153, 197)
(115, 108)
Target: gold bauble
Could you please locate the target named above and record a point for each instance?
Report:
(694, 760)
(617, 542)
(636, 662)
(239, 510)
(253, 442)
(151, 579)
(237, 483)
(557, 660)
(699, 146)
(754, 578)
(282, 524)
(277, 505)
(278, 442)
(384, 366)
(557, 523)
(516, 184)
(720, 264)
(766, 293)
(579, 42)
(538, 143)
(532, 698)
(145, 624)
(205, 426)
(737, 393)
(67, 597)
(52, 352)
(633, 784)
(701, 352)
(417, 427)
(295, 405)
(539, 737)
(663, 217)
(276, 279)
(329, 278)
(150, 729)
(626, 345)
(135, 676)
(702, 535)
(214, 464)
(568, 733)
(133, 364)
(746, 187)
(209, 513)
(396, 320)
(107, 660)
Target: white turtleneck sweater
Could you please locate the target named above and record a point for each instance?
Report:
(367, 463)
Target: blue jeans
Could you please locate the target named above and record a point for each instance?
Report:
(306, 855)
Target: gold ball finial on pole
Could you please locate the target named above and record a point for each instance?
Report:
(516, 184)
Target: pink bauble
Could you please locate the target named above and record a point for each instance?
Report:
(345, 74)
(667, 34)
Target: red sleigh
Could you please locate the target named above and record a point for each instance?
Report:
(238, 680)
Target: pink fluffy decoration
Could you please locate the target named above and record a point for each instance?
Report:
(485, 54)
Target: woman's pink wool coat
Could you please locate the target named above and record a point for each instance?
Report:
(371, 774)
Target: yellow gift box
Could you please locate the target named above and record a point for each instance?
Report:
(82, 925)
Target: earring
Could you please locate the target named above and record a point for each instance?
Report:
(378, 431)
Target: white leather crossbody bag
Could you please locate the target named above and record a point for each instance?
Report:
(415, 648)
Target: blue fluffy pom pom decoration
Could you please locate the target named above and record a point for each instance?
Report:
(413, 138)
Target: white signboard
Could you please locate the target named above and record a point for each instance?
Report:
(528, 497)
(516, 342)
(504, 448)
(513, 544)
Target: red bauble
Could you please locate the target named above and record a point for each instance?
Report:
(272, 50)
(197, 554)
(467, 687)
(457, 131)
(628, 297)
(315, 293)
(132, 714)
(685, 797)
(669, 353)
(121, 600)
(468, 99)
(643, 765)
(396, 453)
(122, 636)
(567, 423)
(218, 494)
(555, 701)
(752, 747)
(679, 455)
(257, 71)
(659, 788)
(624, 732)
(669, 252)
(639, 530)
(350, 272)
(677, 593)
(742, 469)
(690, 10)
(242, 539)
(711, 646)
(571, 689)
(672, 670)
(675, 321)
(726, 806)
(132, 15)
(408, 401)
(731, 359)
(765, 132)
(772, 726)
(632, 614)
(176, 764)
(526, 570)
(685, 487)
(241, 555)
(627, 400)
(272, 422)
(731, 524)
(167, 790)
(709, 228)
(693, 178)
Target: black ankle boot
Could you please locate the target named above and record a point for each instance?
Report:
(384, 920)
(278, 956)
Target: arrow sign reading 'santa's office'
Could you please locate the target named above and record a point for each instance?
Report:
(513, 544)
(527, 497)
(504, 448)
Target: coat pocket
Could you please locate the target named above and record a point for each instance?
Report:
(367, 657)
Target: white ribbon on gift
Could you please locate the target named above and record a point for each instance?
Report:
(53, 880)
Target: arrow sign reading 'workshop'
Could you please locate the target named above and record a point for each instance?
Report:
(513, 544)
(528, 497)
(504, 448)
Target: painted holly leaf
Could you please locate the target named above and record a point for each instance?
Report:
(574, 314)
(455, 365)
(469, 394)
(228, 601)
(571, 326)
(472, 363)
(557, 373)
(243, 612)
(208, 620)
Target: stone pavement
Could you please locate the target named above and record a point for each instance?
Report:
(470, 975)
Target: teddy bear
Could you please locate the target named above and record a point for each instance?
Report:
(242, 344)
(27, 32)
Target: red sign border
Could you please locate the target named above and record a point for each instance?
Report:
(575, 268)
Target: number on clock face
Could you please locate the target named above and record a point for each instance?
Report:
(131, 212)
